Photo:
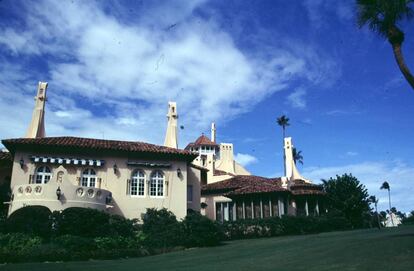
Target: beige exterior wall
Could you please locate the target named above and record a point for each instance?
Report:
(194, 178)
(210, 200)
(130, 206)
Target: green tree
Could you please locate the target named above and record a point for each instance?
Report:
(386, 185)
(382, 17)
(347, 197)
(374, 200)
(297, 156)
(283, 121)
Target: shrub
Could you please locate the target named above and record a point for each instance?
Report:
(81, 222)
(91, 223)
(200, 231)
(287, 225)
(34, 220)
(74, 243)
(161, 229)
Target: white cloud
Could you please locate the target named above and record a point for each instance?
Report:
(297, 99)
(372, 175)
(245, 159)
(114, 77)
(352, 153)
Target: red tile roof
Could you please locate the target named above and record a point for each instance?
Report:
(244, 184)
(5, 156)
(218, 172)
(300, 187)
(250, 184)
(79, 143)
(201, 141)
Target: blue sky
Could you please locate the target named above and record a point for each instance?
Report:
(113, 66)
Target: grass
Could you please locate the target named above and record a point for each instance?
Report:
(388, 249)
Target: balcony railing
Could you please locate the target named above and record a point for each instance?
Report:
(59, 196)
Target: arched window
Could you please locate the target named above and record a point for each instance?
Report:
(43, 175)
(157, 184)
(137, 186)
(88, 177)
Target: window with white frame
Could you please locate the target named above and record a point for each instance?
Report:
(88, 178)
(137, 186)
(157, 184)
(189, 193)
(43, 175)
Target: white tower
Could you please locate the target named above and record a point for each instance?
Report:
(37, 125)
(171, 134)
(213, 132)
(291, 172)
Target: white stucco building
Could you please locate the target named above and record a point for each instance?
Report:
(119, 177)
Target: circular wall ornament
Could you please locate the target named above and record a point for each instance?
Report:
(79, 192)
(20, 190)
(28, 190)
(38, 189)
(91, 193)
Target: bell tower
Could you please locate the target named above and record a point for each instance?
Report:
(171, 134)
(37, 125)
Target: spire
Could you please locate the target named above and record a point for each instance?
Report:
(171, 134)
(213, 132)
(291, 172)
(37, 125)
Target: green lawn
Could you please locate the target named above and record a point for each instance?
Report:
(389, 249)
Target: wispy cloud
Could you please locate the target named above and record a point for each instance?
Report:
(351, 153)
(245, 159)
(297, 99)
(372, 174)
(108, 75)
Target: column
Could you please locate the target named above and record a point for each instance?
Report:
(306, 207)
(281, 207)
(222, 211)
(317, 207)
(261, 208)
(234, 211)
(252, 209)
(244, 211)
(270, 205)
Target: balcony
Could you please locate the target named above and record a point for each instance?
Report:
(69, 196)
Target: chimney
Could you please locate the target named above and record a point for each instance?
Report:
(171, 133)
(37, 125)
(213, 132)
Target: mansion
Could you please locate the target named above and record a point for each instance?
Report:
(127, 177)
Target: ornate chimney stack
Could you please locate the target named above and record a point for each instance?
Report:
(291, 172)
(213, 132)
(37, 125)
(171, 134)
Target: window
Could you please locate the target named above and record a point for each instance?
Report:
(189, 193)
(137, 187)
(157, 184)
(43, 175)
(88, 178)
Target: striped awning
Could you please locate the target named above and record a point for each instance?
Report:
(68, 161)
(147, 164)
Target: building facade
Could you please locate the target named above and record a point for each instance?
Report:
(230, 192)
(119, 177)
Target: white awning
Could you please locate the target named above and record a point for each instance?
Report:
(68, 161)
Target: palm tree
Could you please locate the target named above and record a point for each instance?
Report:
(283, 121)
(374, 200)
(386, 185)
(297, 156)
(382, 17)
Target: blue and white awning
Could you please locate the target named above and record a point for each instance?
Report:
(68, 161)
